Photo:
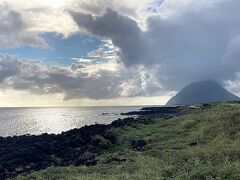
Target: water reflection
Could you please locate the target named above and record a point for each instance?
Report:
(19, 121)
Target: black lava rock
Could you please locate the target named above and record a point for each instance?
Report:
(109, 161)
(139, 144)
(193, 144)
(27, 153)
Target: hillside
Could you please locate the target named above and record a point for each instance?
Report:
(201, 143)
(201, 92)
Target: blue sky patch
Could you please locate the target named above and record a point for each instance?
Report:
(61, 49)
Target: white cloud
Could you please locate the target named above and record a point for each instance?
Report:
(141, 80)
(13, 30)
(233, 84)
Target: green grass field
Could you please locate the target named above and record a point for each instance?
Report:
(214, 133)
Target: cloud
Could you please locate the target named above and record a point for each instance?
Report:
(123, 32)
(13, 30)
(42, 16)
(149, 46)
(26, 21)
(42, 79)
(188, 40)
(141, 81)
(134, 8)
(91, 80)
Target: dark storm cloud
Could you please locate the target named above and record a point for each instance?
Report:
(197, 42)
(123, 31)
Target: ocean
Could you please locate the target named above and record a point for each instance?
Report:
(35, 121)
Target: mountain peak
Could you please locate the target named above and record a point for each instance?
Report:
(201, 92)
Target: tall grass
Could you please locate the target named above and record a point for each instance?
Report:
(201, 145)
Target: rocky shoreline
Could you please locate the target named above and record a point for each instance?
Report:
(76, 147)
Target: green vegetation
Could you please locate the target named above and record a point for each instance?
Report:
(201, 145)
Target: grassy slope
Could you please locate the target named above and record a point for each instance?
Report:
(168, 154)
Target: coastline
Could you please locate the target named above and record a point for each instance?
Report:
(36, 121)
(138, 145)
(76, 147)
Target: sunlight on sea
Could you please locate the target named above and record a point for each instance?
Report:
(19, 121)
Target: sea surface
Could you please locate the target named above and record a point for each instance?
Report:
(35, 121)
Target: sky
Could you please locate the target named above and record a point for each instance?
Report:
(138, 52)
